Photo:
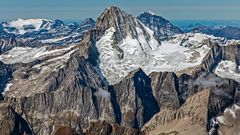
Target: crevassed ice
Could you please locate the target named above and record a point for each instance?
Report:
(227, 69)
(148, 55)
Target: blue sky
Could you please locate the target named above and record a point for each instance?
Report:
(80, 9)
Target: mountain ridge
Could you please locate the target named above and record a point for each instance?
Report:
(120, 79)
(162, 27)
(36, 32)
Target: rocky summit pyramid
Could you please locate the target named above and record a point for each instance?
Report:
(122, 78)
(161, 26)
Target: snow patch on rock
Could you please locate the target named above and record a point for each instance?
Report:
(227, 69)
(27, 54)
(8, 85)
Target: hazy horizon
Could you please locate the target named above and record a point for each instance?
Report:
(179, 23)
(75, 9)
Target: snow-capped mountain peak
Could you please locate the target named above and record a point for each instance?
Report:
(127, 44)
(87, 24)
(38, 32)
(22, 26)
(149, 12)
(161, 26)
(113, 16)
(123, 23)
(57, 23)
(122, 38)
(88, 21)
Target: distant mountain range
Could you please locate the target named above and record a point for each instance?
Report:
(223, 31)
(226, 29)
(36, 32)
(162, 27)
(186, 25)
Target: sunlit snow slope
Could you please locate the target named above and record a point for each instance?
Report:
(228, 69)
(172, 55)
(40, 63)
(22, 26)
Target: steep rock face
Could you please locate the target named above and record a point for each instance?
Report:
(226, 51)
(104, 128)
(70, 104)
(49, 97)
(6, 120)
(63, 70)
(46, 112)
(212, 58)
(228, 121)
(12, 122)
(7, 43)
(221, 98)
(191, 116)
(165, 89)
(71, 96)
(88, 48)
(183, 87)
(122, 22)
(228, 66)
(134, 99)
(231, 52)
(205, 92)
(65, 131)
(87, 24)
(161, 27)
(5, 75)
(195, 110)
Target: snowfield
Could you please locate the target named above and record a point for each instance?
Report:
(227, 69)
(20, 24)
(27, 54)
(173, 55)
(52, 60)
